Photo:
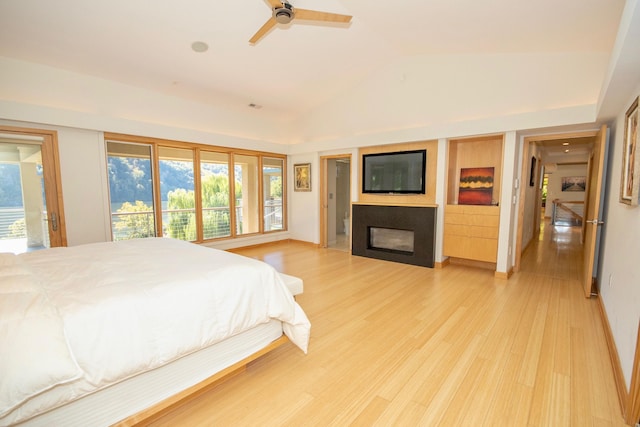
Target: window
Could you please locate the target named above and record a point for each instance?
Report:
(192, 192)
(131, 190)
(214, 184)
(272, 193)
(177, 193)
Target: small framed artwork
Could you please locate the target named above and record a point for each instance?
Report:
(574, 183)
(476, 186)
(302, 177)
(630, 181)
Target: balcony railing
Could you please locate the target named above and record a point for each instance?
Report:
(180, 223)
(567, 212)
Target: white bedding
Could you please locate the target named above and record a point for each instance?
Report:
(115, 310)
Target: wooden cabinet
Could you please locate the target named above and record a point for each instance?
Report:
(471, 232)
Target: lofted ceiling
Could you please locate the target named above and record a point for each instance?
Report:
(295, 67)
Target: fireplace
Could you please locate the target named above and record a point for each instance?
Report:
(394, 233)
(391, 239)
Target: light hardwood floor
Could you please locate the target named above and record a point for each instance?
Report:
(394, 344)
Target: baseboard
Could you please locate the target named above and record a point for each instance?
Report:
(304, 242)
(441, 264)
(472, 263)
(275, 242)
(503, 274)
(618, 375)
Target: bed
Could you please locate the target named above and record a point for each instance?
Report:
(99, 333)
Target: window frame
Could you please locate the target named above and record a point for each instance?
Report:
(156, 143)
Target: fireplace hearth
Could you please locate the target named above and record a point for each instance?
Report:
(394, 233)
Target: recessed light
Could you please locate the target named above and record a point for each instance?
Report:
(565, 143)
(566, 151)
(199, 47)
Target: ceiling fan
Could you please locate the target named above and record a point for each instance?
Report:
(284, 12)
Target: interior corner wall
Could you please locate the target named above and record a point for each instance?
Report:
(508, 203)
(441, 176)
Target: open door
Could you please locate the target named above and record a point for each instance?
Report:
(593, 210)
(335, 201)
(31, 213)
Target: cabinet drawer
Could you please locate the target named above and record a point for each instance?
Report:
(471, 248)
(471, 231)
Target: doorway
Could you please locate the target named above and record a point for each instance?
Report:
(31, 215)
(335, 218)
(549, 151)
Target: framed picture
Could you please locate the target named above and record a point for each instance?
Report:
(302, 177)
(630, 168)
(476, 186)
(574, 183)
(532, 174)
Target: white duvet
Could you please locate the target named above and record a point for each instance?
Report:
(82, 318)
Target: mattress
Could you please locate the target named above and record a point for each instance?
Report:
(115, 403)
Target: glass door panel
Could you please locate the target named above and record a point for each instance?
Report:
(272, 194)
(247, 209)
(29, 215)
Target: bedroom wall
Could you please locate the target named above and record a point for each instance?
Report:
(619, 276)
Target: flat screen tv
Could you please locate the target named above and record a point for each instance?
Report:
(401, 172)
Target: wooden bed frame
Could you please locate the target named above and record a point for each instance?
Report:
(162, 408)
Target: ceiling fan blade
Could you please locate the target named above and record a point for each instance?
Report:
(275, 3)
(271, 22)
(314, 15)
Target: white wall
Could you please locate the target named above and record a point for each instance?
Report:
(304, 206)
(619, 274)
(554, 185)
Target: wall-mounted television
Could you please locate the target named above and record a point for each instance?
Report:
(401, 172)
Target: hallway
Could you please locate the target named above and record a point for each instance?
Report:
(557, 252)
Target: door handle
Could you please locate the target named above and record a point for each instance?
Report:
(54, 221)
(595, 221)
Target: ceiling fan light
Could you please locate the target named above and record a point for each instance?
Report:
(283, 15)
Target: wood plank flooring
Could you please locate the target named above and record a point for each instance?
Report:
(401, 345)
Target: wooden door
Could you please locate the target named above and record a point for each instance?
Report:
(42, 149)
(593, 209)
(324, 202)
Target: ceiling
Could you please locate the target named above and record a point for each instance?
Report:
(296, 67)
(565, 150)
